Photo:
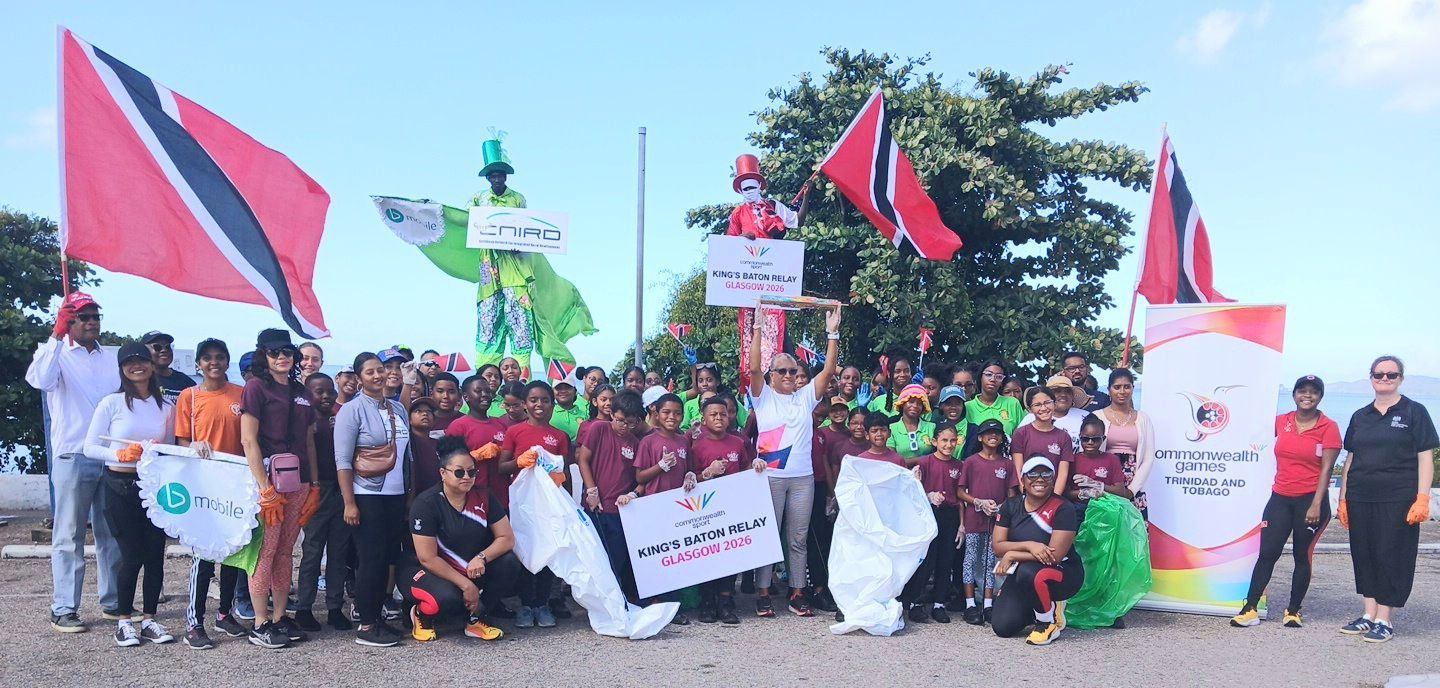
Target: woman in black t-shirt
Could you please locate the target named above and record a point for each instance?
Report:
(1385, 496)
(1033, 537)
(462, 561)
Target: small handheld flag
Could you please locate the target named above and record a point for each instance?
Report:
(925, 340)
(454, 363)
(559, 370)
(678, 330)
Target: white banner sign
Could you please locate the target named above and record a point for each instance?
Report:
(518, 229)
(1211, 372)
(739, 271)
(680, 538)
(207, 504)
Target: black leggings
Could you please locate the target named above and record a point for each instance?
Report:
(437, 598)
(1033, 589)
(377, 547)
(1285, 518)
(142, 545)
(822, 530)
(937, 560)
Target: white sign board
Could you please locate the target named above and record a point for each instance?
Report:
(739, 271)
(207, 504)
(518, 229)
(679, 538)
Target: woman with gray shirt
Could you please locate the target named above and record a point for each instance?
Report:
(372, 457)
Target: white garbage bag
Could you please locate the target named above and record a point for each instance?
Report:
(881, 535)
(552, 530)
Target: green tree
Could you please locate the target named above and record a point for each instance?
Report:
(1028, 283)
(30, 261)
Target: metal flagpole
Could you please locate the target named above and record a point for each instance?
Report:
(640, 259)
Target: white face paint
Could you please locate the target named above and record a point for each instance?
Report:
(750, 190)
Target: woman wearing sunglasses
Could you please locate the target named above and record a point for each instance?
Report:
(461, 564)
(782, 415)
(1385, 496)
(1033, 537)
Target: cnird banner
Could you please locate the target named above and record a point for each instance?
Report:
(1211, 373)
(208, 505)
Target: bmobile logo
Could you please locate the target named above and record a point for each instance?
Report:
(1208, 415)
(757, 251)
(394, 215)
(696, 503)
(173, 498)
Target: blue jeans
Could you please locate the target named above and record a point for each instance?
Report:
(78, 499)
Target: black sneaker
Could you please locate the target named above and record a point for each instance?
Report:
(939, 614)
(559, 608)
(339, 620)
(972, 616)
(387, 628)
(764, 608)
(727, 613)
(110, 614)
(799, 606)
(307, 621)
(126, 635)
(919, 613)
(681, 618)
(839, 616)
(707, 614)
(269, 636)
(229, 626)
(376, 636)
(390, 611)
(67, 623)
(196, 639)
(292, 630)
(989, 611)
(155, 632)
(354, 613)
(501, 612)
(824, 601)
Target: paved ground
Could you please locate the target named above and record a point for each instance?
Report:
(1156, 649)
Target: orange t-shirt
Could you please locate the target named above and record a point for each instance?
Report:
(213, 417)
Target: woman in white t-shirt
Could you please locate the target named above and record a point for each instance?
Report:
(785, 426)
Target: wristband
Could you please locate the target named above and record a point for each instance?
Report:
(832, 336)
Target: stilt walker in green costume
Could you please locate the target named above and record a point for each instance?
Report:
(520, 302)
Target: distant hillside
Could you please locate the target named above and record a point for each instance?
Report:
(1415, 386)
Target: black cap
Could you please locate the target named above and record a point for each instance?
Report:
(208, 344)
(154, 336)
(988, 425)
(133, 350)
(273, 339)
(1311, 380)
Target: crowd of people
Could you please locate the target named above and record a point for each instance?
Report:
(394, 444)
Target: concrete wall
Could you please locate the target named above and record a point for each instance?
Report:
(24, 492)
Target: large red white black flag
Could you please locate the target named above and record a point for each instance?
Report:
(871, 170)
(154, 185)
(1176, 265)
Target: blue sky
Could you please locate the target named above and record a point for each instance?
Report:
(1308, 132)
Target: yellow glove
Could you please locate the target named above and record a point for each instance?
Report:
(272, 507)
(1420, 510)
(486, 453)
(130, 454)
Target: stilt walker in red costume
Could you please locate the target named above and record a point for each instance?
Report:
(761, 218)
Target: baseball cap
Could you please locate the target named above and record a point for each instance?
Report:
(246, 359)
(133, 350)
(208, 344)
(78, 300)
(839, 401)
(951, 392)
(989, 425)
(156, 335)
(273, 338)
(652, 395)
(425, 401)
(1059, 382)
(390, 354)
(1312, 381)
(1035, 462)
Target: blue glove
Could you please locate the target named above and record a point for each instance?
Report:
(690, 355)
(862, 395)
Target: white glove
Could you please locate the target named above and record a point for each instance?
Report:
(832, 507)
(916, 472)
(592, 498)
(624, 499)
(202, 449)
(759, 465)
(668, 461)
(936, 499)
(986, 506)
(717, 467)
(1088, 493)
(408, 375)
(689, 481)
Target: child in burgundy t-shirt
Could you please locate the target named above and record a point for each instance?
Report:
(987, 479)
(717, 452)
(940, 478)
(877, 431)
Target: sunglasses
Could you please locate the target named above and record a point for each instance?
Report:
(288, 352)
(1040, 475)
(159, 346)
(462, 473)
(88, 317)
(1091, 438)
(1385, 376)
(785, 371)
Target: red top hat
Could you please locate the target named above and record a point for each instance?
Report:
(748, 167)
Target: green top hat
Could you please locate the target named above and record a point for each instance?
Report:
(495, 158)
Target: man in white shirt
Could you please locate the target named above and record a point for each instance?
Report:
(75, 374)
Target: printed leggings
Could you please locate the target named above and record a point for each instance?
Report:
(504, 317)
(277, 558)
(1285, 518)
(1031, 592)
(980, 559)
(142, 545)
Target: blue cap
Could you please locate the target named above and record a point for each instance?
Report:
(952, 392)
(390, 354)
(246, 359)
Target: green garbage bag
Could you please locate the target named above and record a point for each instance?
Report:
(1115, 547)
(249, 555)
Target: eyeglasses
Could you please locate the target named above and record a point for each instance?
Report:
(1077, 368)
(462, 473)
(88, 317)
(992, 376)
(1091, 438)
(1043, 404)
(785, 371)
(1385, 376)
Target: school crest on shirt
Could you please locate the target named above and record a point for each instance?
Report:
(1395, 423)
(235, 409)
(302, 401)
(1054, 448)
(732, 457)
(500, 436)
(1001, 473)
(1102, 472)
(680, 452)
(1004, 415)
(954, 473)
(628, 453)
(552, 441)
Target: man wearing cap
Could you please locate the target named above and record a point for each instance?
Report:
(162, 351)
(75, 374)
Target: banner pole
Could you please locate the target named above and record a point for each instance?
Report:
(640, 259)
(1129, 329)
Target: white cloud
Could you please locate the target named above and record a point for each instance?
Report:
(1213, 33)
(1392, 45)
(37, 132)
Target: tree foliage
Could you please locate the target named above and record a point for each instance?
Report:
(30, 262)
(1028, 283)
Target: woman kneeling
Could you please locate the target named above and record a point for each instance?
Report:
(1033, 536)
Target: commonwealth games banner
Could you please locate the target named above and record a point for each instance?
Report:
(1211, 374)
(207, 504)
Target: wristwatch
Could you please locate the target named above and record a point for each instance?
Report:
(483, 558)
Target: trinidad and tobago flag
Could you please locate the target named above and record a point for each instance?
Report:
(871, 170)
(154, 185)
(454, 363)
(679, 330)
(559, 370)
(1175, 266)
(926, 339)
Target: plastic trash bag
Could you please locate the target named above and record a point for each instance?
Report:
(1114, 545)
(552, 530)
(881, 535)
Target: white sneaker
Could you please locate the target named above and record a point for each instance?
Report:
(126, 635)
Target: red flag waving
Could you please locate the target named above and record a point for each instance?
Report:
(559, 370)
(925, 339)
(678, 330)
(1176, 265)
(154, 185)
(871, 170)
(454, 363)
